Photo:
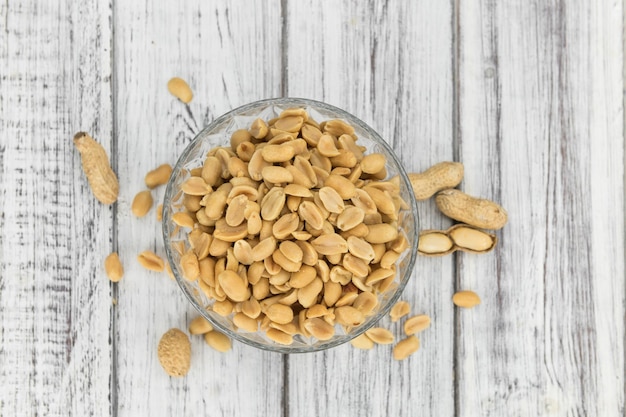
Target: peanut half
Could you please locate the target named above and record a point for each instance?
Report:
(180, 89)
(466, 299)
(113, 267)
(158, 176)
(102, 180)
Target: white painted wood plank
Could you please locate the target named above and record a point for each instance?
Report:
(231, 55)
(55, 301)
(388, 63)
(542, 132)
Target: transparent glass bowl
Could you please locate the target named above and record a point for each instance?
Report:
(218, 134)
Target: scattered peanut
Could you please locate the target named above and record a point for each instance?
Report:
(174, 352)
(405, 348)
(200, 325)
(158, 176)
(113, 267)
(151, 261)
(466, 299)
(399, 310)
(436, 178)
(218, 341)
(180, 89)
(362, 342)
(142, 203)
(380, 335)
(416, 324)
(481, 213)
(102, 179)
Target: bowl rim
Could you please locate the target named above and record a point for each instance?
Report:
(342, 114)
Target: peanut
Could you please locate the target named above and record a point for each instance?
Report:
(380, 335)
(102, 180)
(405, 348)
(158, 176)
(362, 342)
(399, 310)
(174, 352)
(436, 178)
(481, 213)
(416, 324)
(180, 89)
(466, 299)
(218, 341)
(459, 237)
(151, 261)
(113, 267)
(200, 325)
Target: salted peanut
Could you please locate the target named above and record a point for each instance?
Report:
(276, 174)
(218, 341)
(302, 277)
(284, 262)
(273, 203)
(356, 266)
(293, 203)
(113, 267)
(180, 89)
(481, 213)
(405, 348)
(298, 190)
(233, 285)
(344, 159)
(326, 146)
(309, 254)
(319, 329)
(338, 127)
(389, 258)
(158, 176)
(380, 335)
(344, 187)
(320, 161)
(228, 233)
(231, 261)
(195, 186)
(289, 297)
(330, 244)
(381, 233)
(289, 123)
(256, 165)
(340, 275)
(261, 289)
(192, 202)
(331, 200)
(258, 129)
(151, 261)
(246, 323)
(399, 310)
(279, 313)
(363, 200)
(382, 199)
(378, 275)
(466, 299)
(303, 165)
(348, 143)
(264, 249)
(285, 226)
(281, 278)
(251, 308)
(359, 231)
(307, 296)
(350, 217)
(183, 219)
(348, 316)
(291, 251)
(439, 177)
(365, 302)
(254, 224)
(200, 325)
(271, 266)
(142, 203)
(341, 171)
(243, 252)
(399, 244)
(360, 248)
(245, 150)
(218, 247)
(189, 265)
(207, 270)
(223, 308)
(311, 214)
(235, 211)
(373, 163)
(301, 235)
(211, 170)
(311, 134)
(416, 324)
(277, 153)
(471, 240)
(279, 336)
(362, 342)
(290, 328)
(255, 272)
(360, 284)
(434, 243)
(174, 352)
(318, 310)
(295, 111)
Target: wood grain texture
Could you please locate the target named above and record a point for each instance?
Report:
(55, 302)
(389, 64)
(541, 131)
(231, 55)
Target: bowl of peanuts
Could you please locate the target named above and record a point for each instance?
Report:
(290, 225)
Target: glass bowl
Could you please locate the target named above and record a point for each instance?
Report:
(218, 134)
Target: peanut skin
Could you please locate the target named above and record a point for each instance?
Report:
(481, 213)
(436, 178)
(102, 179)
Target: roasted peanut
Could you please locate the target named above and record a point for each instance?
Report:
(113, 267)
(102, 180)
(158, 176)
(180, 89)
(481, 213)
(466, 299)
(439, 177)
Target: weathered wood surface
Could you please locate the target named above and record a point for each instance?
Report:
(55, 303)
(528, 95)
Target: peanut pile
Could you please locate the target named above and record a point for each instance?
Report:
(292, 229)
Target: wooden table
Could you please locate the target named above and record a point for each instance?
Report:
(527, 94)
